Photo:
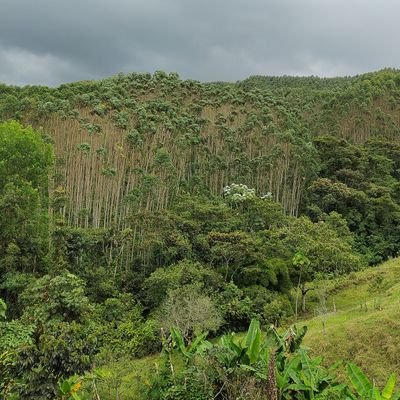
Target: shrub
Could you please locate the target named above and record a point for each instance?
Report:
(190, 311)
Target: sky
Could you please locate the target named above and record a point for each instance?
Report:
(56, 41)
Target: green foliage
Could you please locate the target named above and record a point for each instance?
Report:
(197, 347)
(23, 154)
(13, 284)
(68, 388)
(59, 298)
(6, 375)
(121, 329)
(23, 228)
(25, 161)
(15, 334)
(3, 309)
(152, 220)
(236, 307)
(184, 273)
(243, 352)
(367, 390)
(359, 182)
(258, 365)
(62, 350)
(320, 244)
(47, 343)
(278, 309)
(253, 342)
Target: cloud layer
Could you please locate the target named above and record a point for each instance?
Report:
(55, 41)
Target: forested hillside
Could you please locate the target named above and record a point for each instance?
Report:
(143, 202)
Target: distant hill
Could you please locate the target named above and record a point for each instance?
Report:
(135, 141)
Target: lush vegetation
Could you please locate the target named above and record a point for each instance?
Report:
(142, 211)
(353, 318)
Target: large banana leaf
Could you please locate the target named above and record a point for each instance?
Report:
(291, 372)
(387, 392)
(309, 370)
(296, 338)
(179, 341)
(360, 382)
(234, 351)
(253, 341)
(227, 341)
(200, 344)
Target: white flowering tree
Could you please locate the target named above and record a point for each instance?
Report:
(240, 193)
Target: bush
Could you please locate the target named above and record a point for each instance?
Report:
(184, 273)
(189, 310)
(56, 298)
(278, 309)
(61, 350)
(122, 330)
(236, 307)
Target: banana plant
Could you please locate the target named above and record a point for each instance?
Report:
(366, 390)
(198, 346)
(304, 378)
(287, 343)
(69, 388)
(247, 351)
(251, 343)
(250, 353)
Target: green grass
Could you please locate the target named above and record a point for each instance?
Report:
(126, 379)
(364, 329)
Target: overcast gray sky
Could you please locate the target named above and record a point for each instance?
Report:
(55, 41)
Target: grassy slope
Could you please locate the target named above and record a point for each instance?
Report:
(364, 329)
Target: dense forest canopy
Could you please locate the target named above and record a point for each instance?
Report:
(144, 202)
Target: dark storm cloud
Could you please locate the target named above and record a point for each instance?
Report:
(54, 41)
